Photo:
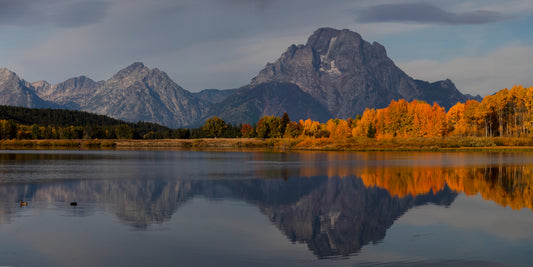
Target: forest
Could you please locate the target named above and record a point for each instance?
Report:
(507, 113)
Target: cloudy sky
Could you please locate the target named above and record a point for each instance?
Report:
(482, 45)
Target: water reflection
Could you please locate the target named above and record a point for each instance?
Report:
(335, 203)
(333, 216)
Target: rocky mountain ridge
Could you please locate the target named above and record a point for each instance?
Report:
(336, 74)
(348, 74)
(17, 92)
(138, 93)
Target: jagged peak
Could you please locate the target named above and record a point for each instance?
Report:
(321, 38)
(40, 83)
(327, 31)
(447, 83)
(81, 78)
(6, 71)
(136, 65)
(137, 69)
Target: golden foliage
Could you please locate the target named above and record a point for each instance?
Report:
(508, 113)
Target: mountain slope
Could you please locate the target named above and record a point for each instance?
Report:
(73, 93)
(214, 95)
(249, 104)
(348, 74)
(137, 93)
(17, 92)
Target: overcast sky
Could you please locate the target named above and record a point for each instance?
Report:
(481, 45)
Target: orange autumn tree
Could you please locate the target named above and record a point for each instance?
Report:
(403, 119)
(428, 121)
(508, 113)
(366, 126)
(338, 129)
(456, 120)
(309, 127)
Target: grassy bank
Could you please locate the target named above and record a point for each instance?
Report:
(57, 144)
(316, 144)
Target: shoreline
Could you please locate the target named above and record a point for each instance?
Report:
(468, 144)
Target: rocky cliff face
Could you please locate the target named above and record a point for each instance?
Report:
(14, 91)
(138, 93)
(135, 93)
(73, 93)
(348, 74)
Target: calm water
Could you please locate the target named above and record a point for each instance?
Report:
(155, 208)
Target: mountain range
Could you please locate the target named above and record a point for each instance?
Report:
(336, 74)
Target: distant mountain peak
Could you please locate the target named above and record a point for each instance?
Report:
(137, 93)
(348, 74)
(323, 38)
(136, 65)
(6, 73)
(134, 71)
(17, 92)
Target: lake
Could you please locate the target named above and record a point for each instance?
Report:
(198, 208)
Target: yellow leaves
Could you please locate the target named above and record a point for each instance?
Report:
(404, 119)
(310, 127)
(506, 113)
(338, 129)
(367, 121)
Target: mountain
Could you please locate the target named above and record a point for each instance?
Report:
(72, 93)
(336, 74)
(347, 74)
(17, 92)
(249, 104)
(135, 93)
(214, 95)
(138, 93)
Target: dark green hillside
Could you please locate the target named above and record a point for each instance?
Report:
(84, 124)
(55, 117)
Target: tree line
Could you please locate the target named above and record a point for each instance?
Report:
(508, 113)
(30, 123)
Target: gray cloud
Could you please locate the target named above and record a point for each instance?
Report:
(425, 13)
(200, 44)
(52, 12)
(485, 75)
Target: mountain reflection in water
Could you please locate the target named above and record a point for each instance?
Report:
(333, 216)
(333, 207)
